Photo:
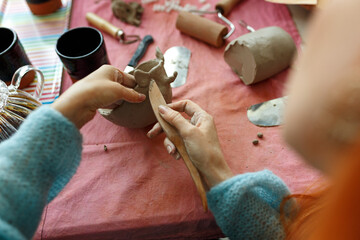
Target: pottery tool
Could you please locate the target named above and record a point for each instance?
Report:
(177, 60)
(139, 53)
(260, 54)
(157, 99)
(269, 113)
(114, 31)
(206, 30)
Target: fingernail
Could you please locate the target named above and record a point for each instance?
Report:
(149, 135)
(169, 149)
(163, 109)
(118, 76)
(142, 97)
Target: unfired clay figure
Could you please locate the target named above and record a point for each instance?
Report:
(138, 115)
(259, 55)
(127, 12)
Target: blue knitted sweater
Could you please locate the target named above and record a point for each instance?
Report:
(39, 160)
(35, 164)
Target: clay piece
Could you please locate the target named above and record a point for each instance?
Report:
(139, 115)
(127, 12)
(259, 55)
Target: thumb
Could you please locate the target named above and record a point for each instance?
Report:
(174, 118)
(129, 95)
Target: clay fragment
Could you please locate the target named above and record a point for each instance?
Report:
(127, 12)
(139, 115)
(259, 55)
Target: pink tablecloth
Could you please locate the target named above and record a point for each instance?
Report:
(135, 190)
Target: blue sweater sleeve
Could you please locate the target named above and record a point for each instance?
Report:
(35, 164)
(247, 206)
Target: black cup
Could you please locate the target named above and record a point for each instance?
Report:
(82, 50)
(12, 56)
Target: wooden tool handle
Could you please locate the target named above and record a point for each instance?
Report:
(175, 138)
(156, 99)
(193, 172)
(102, 24)
(225, 6)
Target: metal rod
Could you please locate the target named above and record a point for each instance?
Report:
(203, 12)
(231, 25)
(224, 19)
(128, 39)
(245, 25)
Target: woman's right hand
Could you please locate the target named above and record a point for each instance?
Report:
(200, 139)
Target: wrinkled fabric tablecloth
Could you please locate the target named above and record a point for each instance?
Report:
(135, 190)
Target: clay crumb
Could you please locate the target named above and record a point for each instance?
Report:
(255, 142)
(105, 148)
(260, 135)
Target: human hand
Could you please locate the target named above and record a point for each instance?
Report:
(101, 89)
(200, 139)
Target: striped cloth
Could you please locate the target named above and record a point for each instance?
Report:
(38, 35)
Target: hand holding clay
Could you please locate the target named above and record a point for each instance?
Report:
(101, 89)
(142, 115)
(200, 139)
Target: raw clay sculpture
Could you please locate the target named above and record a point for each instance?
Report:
(139, 115)
(258, 55)
(127, 12)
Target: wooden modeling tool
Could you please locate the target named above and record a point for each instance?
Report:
(206, 30)
(107, 27)
(157, 99)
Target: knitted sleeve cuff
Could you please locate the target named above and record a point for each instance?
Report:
(247, 205)
(243, 182)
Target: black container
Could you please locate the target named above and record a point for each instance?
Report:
(12, 56)
(82, 50)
